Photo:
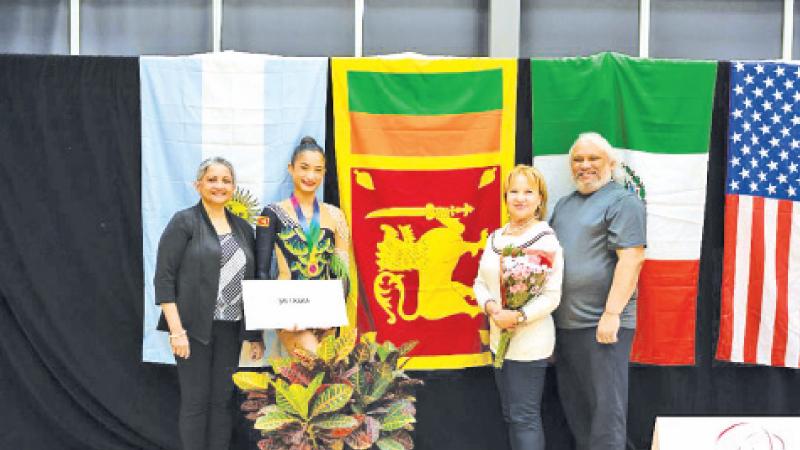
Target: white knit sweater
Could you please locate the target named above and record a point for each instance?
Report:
(535, 338)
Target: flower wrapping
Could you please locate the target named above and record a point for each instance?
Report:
(523, 274)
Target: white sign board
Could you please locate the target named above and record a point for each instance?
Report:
(290, 304)
(727, 433)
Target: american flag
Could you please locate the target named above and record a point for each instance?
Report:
(760, 311)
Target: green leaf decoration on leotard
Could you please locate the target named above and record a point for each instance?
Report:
(296, 248)
(325, 246)
(300, 271)
(290, 233)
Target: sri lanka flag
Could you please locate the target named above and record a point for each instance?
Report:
(422, 147)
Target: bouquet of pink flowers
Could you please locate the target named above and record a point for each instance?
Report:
(523, 273)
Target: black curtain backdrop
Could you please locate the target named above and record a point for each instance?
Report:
(71, 267)
(71, 286)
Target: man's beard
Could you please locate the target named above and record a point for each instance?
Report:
(588, 187)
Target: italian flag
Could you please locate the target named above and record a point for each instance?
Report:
(657, 113)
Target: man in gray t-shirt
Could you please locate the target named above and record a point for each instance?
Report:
(593, 227)
(602, 229)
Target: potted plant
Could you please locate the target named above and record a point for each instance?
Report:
(351, 394)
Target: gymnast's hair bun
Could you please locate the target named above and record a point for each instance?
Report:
(307, 144)
(308, 140)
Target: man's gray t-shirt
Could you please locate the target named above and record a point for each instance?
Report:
(590, 229)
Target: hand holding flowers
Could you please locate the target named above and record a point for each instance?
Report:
(523, 273)
(505, 319)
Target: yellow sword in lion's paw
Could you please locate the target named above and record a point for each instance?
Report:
(429, 211)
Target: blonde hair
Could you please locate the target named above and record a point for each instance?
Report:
(536, 180)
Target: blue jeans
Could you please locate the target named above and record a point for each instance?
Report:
(520, 384)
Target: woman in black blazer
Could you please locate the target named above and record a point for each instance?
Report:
(203, 255)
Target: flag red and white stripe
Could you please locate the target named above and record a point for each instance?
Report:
(760, 316)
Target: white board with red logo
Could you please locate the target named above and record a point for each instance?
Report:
(727, 433)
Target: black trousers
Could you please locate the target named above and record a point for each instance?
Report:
(593, 386)
(520, 384)
(206, 411)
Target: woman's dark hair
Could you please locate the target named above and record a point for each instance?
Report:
(307, 144)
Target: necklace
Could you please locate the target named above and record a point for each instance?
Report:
(519, 227)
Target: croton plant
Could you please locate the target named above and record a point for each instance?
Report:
(353, 393)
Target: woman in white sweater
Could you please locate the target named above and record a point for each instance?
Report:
(521, 379)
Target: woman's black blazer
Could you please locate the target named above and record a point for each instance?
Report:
(187, 269)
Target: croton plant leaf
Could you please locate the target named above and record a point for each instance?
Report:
(306, 358)
(327, 349)
(364, 436)
(295, 373)
(345, 343)
(404, 438)
(400, 414)
(278, 363)
(273, 419)
(389, 443)
(248, 381)
(331, 399)
(383, 377)
(386, 349)
(336, 421)
(406, 348)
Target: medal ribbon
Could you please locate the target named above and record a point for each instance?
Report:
(311, 231)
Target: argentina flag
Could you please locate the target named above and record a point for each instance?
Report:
(250, 109)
